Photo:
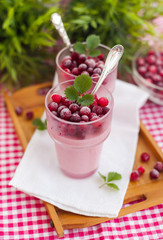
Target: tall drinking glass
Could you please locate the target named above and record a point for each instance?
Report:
(78, 144)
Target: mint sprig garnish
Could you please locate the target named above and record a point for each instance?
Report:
(89, 48)
(41, 125)
(112, 176)
(76, 91)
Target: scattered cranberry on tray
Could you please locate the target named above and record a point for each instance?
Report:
(141, 170)
(77, 64)
(134, 175)
(150, 67)
(154, 174)
(18, 110)
(145, 157)
(159, 166)
(29, 115)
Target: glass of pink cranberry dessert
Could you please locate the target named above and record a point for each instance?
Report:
(77, 130)
(147, 68)
(72, 63)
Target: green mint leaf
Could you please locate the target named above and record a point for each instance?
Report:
(92, 42)
(94, 53)
(113, 176)
(86, 100)
(102, 176)
(71, 93)
(113, 185)
(79, 47)
(82, 83)
(40, 124)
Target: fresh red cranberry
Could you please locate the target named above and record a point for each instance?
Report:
(67, 63)
(82, 58)
(152, 68)
(74, 64)
(75, 117)
(96, 76)
(149, 80)
(105, 110)
(60, 109)
(145, 157)
(92, 114)
(74, 107)
(67, 70)
(65, 113)
(75, 71)
(18, 110)
(85, 110)
(159, 166)
(161, 72)
(141, 61)
(66, 101)
(151, 52)
(151, 59)
(101, 66)
(53, 106)
(141, 170)
(56, 98)
(101, 56)
(84, 73)
(29, 115)
(90, 63)
(103, 101)
(82, 67)
(85, 118)
(94, 118)
(134, 175)
(90, 70)
(156, 78)
(97, 110)
(142, 70)
(54, 113)
(97, 71)
(154, 174)
(74, 55)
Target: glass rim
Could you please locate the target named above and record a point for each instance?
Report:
(136, 73)
(78, 123)
(70, 74)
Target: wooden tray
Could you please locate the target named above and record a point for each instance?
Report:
(147, 191)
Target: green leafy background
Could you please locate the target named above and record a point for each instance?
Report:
(29, 42)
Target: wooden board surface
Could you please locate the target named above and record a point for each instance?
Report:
(140, 195)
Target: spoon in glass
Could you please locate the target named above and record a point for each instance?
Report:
(58, 24)
(112, 60)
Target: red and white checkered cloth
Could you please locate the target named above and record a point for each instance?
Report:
(25, 217)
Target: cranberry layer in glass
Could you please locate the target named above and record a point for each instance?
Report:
(64, 74)
(147, 67)
(78, 144)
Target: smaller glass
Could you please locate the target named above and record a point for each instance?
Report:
(155, 91)
(109, 81)
(78, 144)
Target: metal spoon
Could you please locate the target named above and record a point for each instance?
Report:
(111, 61)
(58, 24)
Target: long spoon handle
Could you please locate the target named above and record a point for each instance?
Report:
(58, 24)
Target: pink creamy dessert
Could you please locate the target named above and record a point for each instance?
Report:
(78, 131)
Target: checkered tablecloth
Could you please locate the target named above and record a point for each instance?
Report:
(25, 217)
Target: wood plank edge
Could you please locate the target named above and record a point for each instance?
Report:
(19, 130)
(150, 140)
(55, 218)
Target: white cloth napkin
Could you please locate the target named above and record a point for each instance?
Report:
(38, 173)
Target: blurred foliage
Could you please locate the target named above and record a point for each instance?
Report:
(25, 38)
(120, 21)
